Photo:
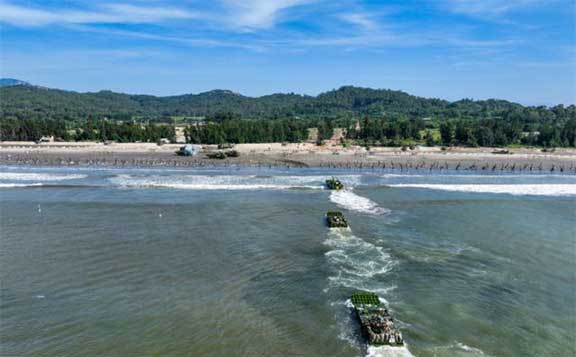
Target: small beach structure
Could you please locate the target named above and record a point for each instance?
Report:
(336, 219)
(45, 139)
(189, 150)
(377, 323)
(180, 134)
(501, 152)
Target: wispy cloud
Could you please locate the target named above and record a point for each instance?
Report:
(489, 8)
(103, 14)
(257, 14)
(182, 40)
(241, 23)
(243, 15)
(362, 20)
(416, 40)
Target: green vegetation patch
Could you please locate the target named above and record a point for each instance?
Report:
(359, 298)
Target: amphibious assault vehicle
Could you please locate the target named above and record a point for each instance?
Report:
(336, 219)
(334, 184)
(377, 323)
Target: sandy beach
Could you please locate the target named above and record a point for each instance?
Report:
(290, 155)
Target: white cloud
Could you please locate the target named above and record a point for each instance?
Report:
(110, 13)
(488, 8)
(245, 15)
(255, 14)
(379, 40)
(363, 21)
(188, 41)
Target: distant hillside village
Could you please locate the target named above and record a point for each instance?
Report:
(348, 115)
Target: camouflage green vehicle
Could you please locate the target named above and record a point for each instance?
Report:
(334, 184)
(377, 323)
(336, 219)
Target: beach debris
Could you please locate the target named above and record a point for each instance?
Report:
(218, 155)
(232, 153)
(501, 152)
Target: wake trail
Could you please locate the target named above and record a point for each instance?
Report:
(358, 265)
(351, 201)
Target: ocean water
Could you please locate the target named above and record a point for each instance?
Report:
(239, 262)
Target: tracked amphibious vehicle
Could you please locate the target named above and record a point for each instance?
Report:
(377, 323)
(336, 219)
(334, 184)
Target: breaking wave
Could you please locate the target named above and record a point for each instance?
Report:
(514, 189)
(349, 200)
(17, 176)
(18, 185)
(219, 182)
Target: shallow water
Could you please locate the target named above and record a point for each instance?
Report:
(238, 262)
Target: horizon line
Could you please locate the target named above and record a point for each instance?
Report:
(29, 83)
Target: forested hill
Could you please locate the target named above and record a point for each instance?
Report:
(5, 82)
(31, 102)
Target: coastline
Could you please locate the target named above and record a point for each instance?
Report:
(288, 155)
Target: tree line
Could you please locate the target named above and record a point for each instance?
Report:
(90, 130)
(460, 132)
(368, 131)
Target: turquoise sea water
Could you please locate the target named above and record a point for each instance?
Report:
(239, 262)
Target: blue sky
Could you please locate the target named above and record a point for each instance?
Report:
(520, 50)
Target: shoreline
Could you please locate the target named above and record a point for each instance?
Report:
(288, 155)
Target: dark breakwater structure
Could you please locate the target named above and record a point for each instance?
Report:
(487, 165)
(498, 163)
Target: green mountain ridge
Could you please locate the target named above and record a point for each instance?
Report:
(6, 82)
(371, 116)
(32, 102)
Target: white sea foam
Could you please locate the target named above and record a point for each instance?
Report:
(473, 350)
(17, 185)
(219, 182)
(19, 176)
(357, 265)
(514, 189)
(349, 200)
(388, 351)
(460, 349)
(356, 262)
